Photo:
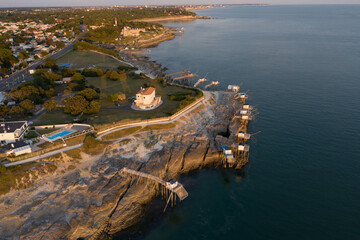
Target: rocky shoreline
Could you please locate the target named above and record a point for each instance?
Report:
(95, 200)
(89, 198)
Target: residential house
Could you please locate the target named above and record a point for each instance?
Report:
(66, 80)
(146, 99)
(45, 49)
(18, 148)
(13, 131)
(131, 32)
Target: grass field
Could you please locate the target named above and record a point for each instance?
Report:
(159, 127)
(88, 59)
(121, 133)
(109, 113)
(56, 116)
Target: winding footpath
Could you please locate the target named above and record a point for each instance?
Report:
(207, 95)
(154, 122)
(45, 155)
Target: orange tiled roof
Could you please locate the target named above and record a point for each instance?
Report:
(146, 91)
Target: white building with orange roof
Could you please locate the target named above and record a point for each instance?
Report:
(146, 99)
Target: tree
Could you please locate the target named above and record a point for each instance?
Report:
(4, 53)
(23, 55)
(50, 62)
(94, 107)
(51, 77)
(89, 94)
(2, 168)
(112, 97)
(22, 93)
(76, 105)
(93, 72)
(50, 105)
(60, 44)
(77, 77)
(15, 110)
(49, 93)
(27, 105)
(4, 110)
(23, 65)
(43, 53)
(72, 87)
(67, 72)
(114, 75)
(122, 75)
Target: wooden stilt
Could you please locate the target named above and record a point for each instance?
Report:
(167, 203)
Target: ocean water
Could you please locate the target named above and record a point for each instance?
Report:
(301, 68)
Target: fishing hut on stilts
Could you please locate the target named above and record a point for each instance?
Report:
(239, 149)
(171, 190)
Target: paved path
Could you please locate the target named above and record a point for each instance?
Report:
(49, 154)
(143, 124)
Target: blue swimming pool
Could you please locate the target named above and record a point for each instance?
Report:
(60, 134)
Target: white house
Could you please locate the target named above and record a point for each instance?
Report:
(13, 131)
(146, 99)
(18, 148)
(66, 80)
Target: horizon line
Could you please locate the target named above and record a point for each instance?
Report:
(175, 5)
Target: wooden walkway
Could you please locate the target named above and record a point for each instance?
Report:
(177, 187)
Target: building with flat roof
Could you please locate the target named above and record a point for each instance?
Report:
(13, 131)
(18, 148)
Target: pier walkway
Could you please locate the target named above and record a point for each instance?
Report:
(173, 186)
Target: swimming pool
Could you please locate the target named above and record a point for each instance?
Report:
(60, 134)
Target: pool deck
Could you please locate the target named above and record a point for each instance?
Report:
(63, 133)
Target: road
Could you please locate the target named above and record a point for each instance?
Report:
(49, 154)
(23, 75)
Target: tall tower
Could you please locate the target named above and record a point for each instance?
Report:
(115, 23)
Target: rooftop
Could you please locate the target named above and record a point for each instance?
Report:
(11, 126)
(17, 144)
(146, 91)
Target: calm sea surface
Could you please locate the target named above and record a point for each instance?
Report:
(301, 65)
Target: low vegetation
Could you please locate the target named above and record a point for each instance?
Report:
(82, 45)
(159, 127)
(121, 133)
(74, 154)
(92, 146)
(18, 177)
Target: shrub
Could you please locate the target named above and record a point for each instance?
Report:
(92, 146)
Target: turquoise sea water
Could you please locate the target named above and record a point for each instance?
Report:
(301, 65)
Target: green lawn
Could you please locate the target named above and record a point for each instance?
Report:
(88, 59)
(109, 113)
(159, 127)
(130, 87)
(121, 133)
(56, 116)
